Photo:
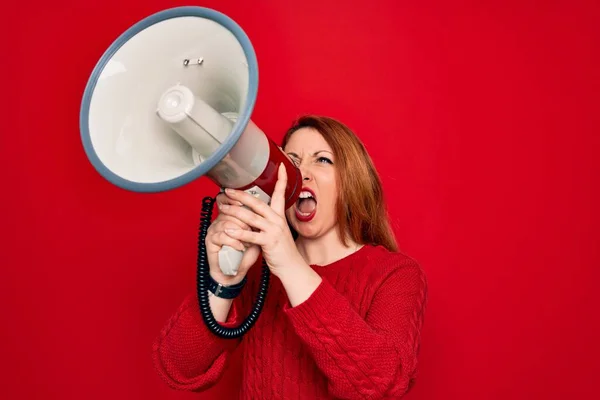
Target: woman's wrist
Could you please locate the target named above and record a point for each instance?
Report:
(299, 281)
(219, 307)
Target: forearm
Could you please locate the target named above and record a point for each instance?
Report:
(220, 307)
(299, 281)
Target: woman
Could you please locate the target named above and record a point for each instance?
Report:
(343, 314)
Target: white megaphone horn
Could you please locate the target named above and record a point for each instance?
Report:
(169, 102)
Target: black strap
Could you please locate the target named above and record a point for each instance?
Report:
(225, 292)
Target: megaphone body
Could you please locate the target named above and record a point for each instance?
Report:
(171, 100)
(251, 164)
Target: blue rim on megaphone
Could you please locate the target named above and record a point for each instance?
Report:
(224, 148)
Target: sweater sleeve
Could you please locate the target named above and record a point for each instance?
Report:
(370, 357)
(186, 355)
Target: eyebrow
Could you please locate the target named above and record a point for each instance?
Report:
(314, 154)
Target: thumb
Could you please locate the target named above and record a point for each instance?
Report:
(278, 198)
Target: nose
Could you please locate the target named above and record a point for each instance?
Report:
(305, 173)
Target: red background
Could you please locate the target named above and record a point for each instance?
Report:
(482, 118)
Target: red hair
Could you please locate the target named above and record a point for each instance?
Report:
(360, 208)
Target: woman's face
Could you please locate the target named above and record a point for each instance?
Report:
(313, 215)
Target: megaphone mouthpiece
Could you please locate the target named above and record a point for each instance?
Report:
(175, 103)
(194, 120)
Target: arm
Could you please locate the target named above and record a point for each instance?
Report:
(369, 357)
(186, 355)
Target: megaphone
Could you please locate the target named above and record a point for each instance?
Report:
(170, 101)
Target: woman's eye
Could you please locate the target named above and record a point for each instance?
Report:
(324, 159)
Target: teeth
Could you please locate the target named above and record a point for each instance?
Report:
(305, 195)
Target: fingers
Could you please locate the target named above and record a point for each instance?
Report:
(250, 256)
(278, 198)
(256, 238)
(254, 204)
(234, 223)
(247, 216)
(272, 212)
(221, 239)
(217, 237)
(229, 218)
(222, 198)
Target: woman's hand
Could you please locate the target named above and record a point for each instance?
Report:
(269, 226)
(216, 238)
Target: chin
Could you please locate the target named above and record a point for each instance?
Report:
(304, 229)
(309, 230)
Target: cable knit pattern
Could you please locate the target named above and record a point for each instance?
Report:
(356, 337)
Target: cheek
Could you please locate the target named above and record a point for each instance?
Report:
(329, 189)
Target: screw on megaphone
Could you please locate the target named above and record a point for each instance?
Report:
(197, 61)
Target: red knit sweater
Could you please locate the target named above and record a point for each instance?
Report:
(356, 337)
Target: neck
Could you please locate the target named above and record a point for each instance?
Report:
(325, 249)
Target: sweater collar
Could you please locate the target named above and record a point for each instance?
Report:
(362, 252)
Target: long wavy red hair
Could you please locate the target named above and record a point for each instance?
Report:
(361, 210)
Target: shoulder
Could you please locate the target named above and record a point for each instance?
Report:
(393, 268)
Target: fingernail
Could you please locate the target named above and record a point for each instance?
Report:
(229, 191)
(230, 230)
(224, 206)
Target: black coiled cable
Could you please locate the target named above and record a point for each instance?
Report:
(202, 275)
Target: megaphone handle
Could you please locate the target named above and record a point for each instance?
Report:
(230, 260)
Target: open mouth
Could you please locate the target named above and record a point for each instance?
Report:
(306, 205)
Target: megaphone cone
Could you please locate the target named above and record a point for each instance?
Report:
(171, 101)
